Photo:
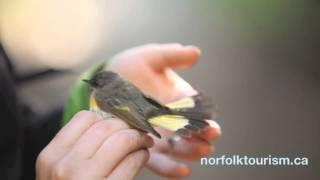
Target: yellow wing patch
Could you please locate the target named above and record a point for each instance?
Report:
(124, 108)
(187, 102)
(171, 122)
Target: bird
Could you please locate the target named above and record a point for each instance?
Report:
(114, 96)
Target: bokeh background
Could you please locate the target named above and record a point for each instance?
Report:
(260, 63)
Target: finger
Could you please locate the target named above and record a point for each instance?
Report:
(167, 167)
(191, 149)
(68, 135)
(130, 166)
(64, 140)
(89, 143)
(75, 128)
(118, 146)
(211, 133)
(173, 56)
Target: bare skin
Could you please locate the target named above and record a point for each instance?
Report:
(91, 148)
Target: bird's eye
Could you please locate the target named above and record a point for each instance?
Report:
(96, 84)
(116, 102)
(100, 82)
(113, 102)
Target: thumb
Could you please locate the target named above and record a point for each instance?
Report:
(173, 56)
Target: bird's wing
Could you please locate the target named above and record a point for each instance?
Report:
(128, 112)
(187, 115)
(153, 101)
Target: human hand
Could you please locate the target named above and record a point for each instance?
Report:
(91, 148)
(150, 68)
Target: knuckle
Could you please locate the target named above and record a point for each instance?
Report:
(140, 157)
(85, 115)
(61, 171)
(104, 126)
(82, 113)
(144, 155)
(133, 139)
(130, 137)
(42, 160)
(118, 123)
(134, 133)
(115, 128)
(101, 127)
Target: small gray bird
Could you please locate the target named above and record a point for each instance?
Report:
(120, 98)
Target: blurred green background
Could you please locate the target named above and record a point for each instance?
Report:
(260, 63)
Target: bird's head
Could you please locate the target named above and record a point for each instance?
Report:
(101, 79)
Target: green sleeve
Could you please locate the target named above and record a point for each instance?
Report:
(80, 93)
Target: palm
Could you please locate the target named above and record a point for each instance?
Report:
(149, 68)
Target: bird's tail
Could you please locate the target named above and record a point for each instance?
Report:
(188, 115)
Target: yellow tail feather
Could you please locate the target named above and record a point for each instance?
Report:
(171, 122)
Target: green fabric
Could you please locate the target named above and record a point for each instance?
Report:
(80, 94)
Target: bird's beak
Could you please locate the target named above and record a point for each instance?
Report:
(86, 81)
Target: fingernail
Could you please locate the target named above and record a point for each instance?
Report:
(215, 125)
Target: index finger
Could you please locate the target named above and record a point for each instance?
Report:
(67, 137)
(174, 56)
